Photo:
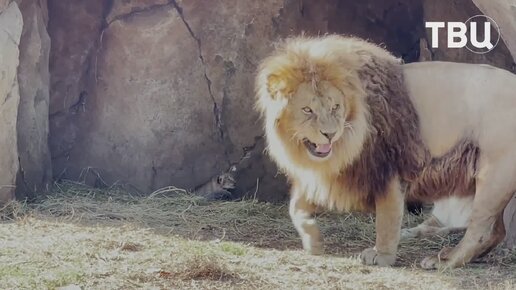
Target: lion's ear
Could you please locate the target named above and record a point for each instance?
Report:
(278, 86)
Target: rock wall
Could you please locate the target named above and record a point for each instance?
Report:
(11, 23)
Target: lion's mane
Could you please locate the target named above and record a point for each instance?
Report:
(385, 140)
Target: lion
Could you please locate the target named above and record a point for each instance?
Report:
(353, 128)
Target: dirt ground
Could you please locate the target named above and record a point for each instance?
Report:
(84, 238)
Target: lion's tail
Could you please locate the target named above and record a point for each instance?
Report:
(451, 174)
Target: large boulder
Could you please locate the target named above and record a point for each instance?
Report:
(11, 23)
(4, 4)
(35, 173)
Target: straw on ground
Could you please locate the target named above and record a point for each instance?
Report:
(110, 239)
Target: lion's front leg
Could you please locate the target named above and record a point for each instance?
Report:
(302, 215)
(389, 214)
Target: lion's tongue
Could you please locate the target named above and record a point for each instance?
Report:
(323, 148)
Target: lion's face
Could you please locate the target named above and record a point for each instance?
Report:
(313, 104)
(316, 118)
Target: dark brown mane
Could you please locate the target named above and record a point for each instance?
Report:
(394, 145)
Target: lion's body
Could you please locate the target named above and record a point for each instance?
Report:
(454, 100)
(340, 123)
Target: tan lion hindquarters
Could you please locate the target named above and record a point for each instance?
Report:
(478, 102)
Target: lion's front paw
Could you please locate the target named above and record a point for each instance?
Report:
(371, 257)
(316, 251)
(313, 247)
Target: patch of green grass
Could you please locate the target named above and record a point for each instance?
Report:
(233, 249)
(66, 278)
(14, 271)
(26, 276)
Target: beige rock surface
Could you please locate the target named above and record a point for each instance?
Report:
(4, 4)
(35, 173)
(11, 23)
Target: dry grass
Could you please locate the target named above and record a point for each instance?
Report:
(110, 239)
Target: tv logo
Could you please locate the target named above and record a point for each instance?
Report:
(458, 36)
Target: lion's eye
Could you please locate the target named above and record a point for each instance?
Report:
(335, 107)
(307, 110)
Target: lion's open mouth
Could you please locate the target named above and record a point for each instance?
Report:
(317, 150)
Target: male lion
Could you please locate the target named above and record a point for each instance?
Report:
(340, 123)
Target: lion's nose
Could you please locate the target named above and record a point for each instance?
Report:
(329, 135)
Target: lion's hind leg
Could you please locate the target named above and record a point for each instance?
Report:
(495, 188)
(429, 227)
(422, 231)
(451, 257)
(449, 215)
